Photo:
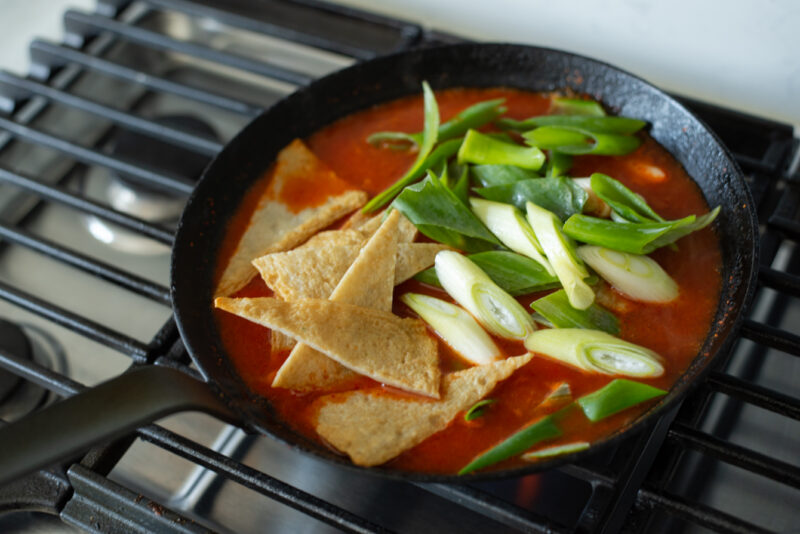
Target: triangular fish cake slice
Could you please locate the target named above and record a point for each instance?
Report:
(273, 226)
(314, 271)
(379, 344)
(373, 427)
(368, 224)
(368, 282)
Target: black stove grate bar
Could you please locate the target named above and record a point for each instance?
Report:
(257, 481)
(500, 510)
(787, 284)
(86, 264)
(80, 325)
(90, 156)
(19, 89)
(760, 396)
(697, 513)
(39, 374)
(788, 226)
(733, 454)
(408, 32)
(72, 200)
(85, 24)
(771, 336)
(53, 56)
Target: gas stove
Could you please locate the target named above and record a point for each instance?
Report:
(99, 147)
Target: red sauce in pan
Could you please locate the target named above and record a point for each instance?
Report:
(675, 330)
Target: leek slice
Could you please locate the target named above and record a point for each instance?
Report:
(595, 351)
(544, 429)
(507, 223)
(496, 310)
(594, 204)
(456, 327)
(575, 141)
(478, 409)
(558, 249)
(562, 105)
(609, 125)
(474, 116)
(627, 204)
(555, 308)
(638, 277)
(558, 450)
(430, 132)
(514, 273)
(617, 395)
(558, 164)
(636, 238)
(485, 149)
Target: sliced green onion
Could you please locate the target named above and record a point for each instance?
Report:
(636, 238)
(560, 253)
(558, 164)
(638, 277)
(631, 206)
(556, 309)
(478, 409)
(474, 116)
(544, 429)
(561, 393)
(486, 150)
(617, 395)
(558, 450)
(514, 273)
(576, 106)
(496, 310)
(607, 125)
(456, 327)
(507, 223)
(491, 175)
(439, 214)
(560, 195)
(594, 204)
(595, 351)
(429, 138)
(577, 141)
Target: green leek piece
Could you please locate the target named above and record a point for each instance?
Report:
(478, 409)
(577, 141)
(544, 429)
(486, 150)
(460, 181)
(601, 125)
(496, 310)
(638, 277)
(558, 450)
(617, 395)
(456, 327)
(636, 238)
(595, 351)
(429, 138)
(556, 309)
(560, 195)
(439, 214)
(558, 164)
(562, 105)
(474, 116)
(627, 204)
(515, 274)
(560, 252)
(491, 175)
(508, 224)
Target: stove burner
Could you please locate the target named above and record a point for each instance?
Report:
(17, 396)
(140, 200)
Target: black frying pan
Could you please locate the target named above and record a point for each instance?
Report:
(126, 402)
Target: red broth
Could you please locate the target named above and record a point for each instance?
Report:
(675, 330)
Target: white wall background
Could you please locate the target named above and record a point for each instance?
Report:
(743, 54)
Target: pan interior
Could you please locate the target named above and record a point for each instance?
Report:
(228, 178)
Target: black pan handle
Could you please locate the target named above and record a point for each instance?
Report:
(107, 411)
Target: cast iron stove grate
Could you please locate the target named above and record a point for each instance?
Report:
(647, 484)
